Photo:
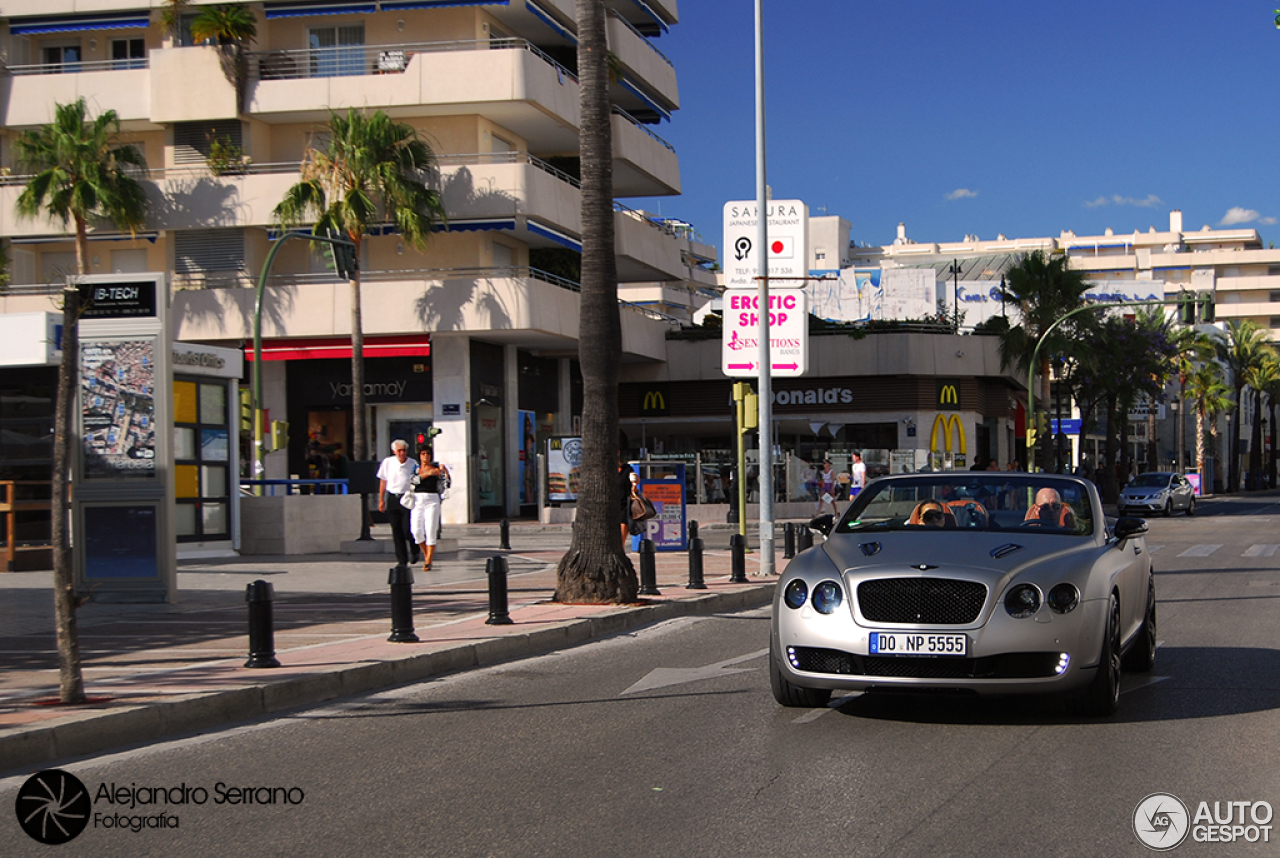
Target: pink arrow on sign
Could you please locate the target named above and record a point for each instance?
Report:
(742, 366)
(786, 366)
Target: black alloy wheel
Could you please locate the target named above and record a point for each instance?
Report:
(1141, 657)
(1102, 696)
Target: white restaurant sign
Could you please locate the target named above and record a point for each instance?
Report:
(788, 333)
(788, 229)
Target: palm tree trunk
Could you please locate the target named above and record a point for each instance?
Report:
(1200, 450)
(1255, 444)
(1110, 491)
(1233, 443)
(1046, 448)
(596, 569)
(359, 436)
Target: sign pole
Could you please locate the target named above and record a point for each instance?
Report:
(766, 386)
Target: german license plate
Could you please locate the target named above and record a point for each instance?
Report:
(917, 643)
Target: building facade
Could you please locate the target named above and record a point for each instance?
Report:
(476, 335)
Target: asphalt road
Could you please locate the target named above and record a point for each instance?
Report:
(668, 742)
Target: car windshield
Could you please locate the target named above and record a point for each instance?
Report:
(1144, 481)
(969, 500)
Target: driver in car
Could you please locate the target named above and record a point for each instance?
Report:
(1050, 509)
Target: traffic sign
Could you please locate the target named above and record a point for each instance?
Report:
(788, 229)
(788, 333)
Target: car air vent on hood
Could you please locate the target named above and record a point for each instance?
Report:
(870, 549)
(1005, 550)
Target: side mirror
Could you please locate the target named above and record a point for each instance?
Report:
(1127, 528)
(823, 523)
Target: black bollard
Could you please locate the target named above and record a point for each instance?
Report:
(738, 545)
(262, 636)
(788, 541)
(496, 569)
(693, 530)
(695, 566)
(648, 569)
(401, 580)
(805, 540)
(504, 541)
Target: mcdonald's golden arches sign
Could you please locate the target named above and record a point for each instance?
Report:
(948, 395)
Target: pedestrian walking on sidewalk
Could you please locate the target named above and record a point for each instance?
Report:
(424, 519)
(395, 477)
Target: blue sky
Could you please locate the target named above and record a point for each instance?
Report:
(1019, 117)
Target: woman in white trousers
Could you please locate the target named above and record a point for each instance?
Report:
(424, 519)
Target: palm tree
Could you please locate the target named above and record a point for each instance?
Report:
(1209, 393)
(1192, 348)
(1272, 390)
(79, 172)
(367, 170)
(171, 17)
(1044, 288)
(231, 27)
(1239, 351)
(596, 569)
(1258, 377)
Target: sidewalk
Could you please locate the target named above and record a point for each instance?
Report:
(154, 671)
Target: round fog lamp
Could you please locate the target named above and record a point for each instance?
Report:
(1063, 598)
(1022, 601)
(827, 596)
(796, 594)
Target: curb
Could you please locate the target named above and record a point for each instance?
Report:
(89, 731)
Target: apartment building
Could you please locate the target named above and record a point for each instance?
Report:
(477, 334)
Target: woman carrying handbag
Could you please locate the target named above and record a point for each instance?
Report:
(424, 518)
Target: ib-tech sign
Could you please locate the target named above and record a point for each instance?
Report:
(119, 300)
(788, 239)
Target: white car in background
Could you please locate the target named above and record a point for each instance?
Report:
(1157, 492)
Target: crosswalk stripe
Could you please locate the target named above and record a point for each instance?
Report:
(1200, 551)
(1261, 550)
(1154, 548)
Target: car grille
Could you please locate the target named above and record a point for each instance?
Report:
(923, 601)
(1014, 665)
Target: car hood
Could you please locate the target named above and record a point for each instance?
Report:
(1143, 491)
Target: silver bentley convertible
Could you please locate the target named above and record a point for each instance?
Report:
(989, 582)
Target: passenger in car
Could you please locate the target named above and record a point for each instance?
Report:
(931, 513)
(1050, 509)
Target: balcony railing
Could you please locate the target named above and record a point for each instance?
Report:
(358, 60)
(75, 67)
(638, 124)
(632, 27)
(236, 279)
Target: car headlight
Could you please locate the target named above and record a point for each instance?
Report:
(1022, 601)
(827, 596)
(1063, 598)
(796, 594)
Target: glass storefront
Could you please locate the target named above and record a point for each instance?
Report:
(202, 459)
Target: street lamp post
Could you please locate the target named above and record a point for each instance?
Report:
(1178, 429)
(955, 280)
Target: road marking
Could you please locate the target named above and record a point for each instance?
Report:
(1261, 550)
(1200, 551)
(1133, 683)
(661, 677)
(1154, 548)
(815, 714)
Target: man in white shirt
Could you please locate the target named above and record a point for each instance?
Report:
(857, 476)
(395, 477)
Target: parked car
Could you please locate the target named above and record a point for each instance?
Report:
(986, 582)
(1157, 492)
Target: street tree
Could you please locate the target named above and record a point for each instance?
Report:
(1259, 375)
(1211, 396)
(80, 173)
(365, 170)
(1239, 351)
(596, 568)
(231, 28)
(1272, 390)
(1044, 288)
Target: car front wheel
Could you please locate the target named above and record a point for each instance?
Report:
(1191, 506)
(1141, 657)
(1168, 508)
(1102, 696)
(788, 694)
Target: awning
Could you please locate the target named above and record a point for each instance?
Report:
(643, 96)
(648, 10)
(319, 7)
(397, 5)
(551, 22)
(311, 348)
(73, 23)
(478, 225)
(555, 235)
(110, 236)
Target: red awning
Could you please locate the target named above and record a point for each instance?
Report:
(409, 345)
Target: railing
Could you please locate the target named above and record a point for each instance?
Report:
(359, 60)
(638, 124)
(641, 216)
(76, 67)
(338, 486)
(632, 27)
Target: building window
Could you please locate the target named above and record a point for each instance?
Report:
(1275, 321)
(57, 59)
(128, 53)
(1274, 296)
(201, 456)
(337, 51)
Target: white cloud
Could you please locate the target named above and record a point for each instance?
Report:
(1238, 214)
(1267, 221)
(1150, 201)
(961, 193)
